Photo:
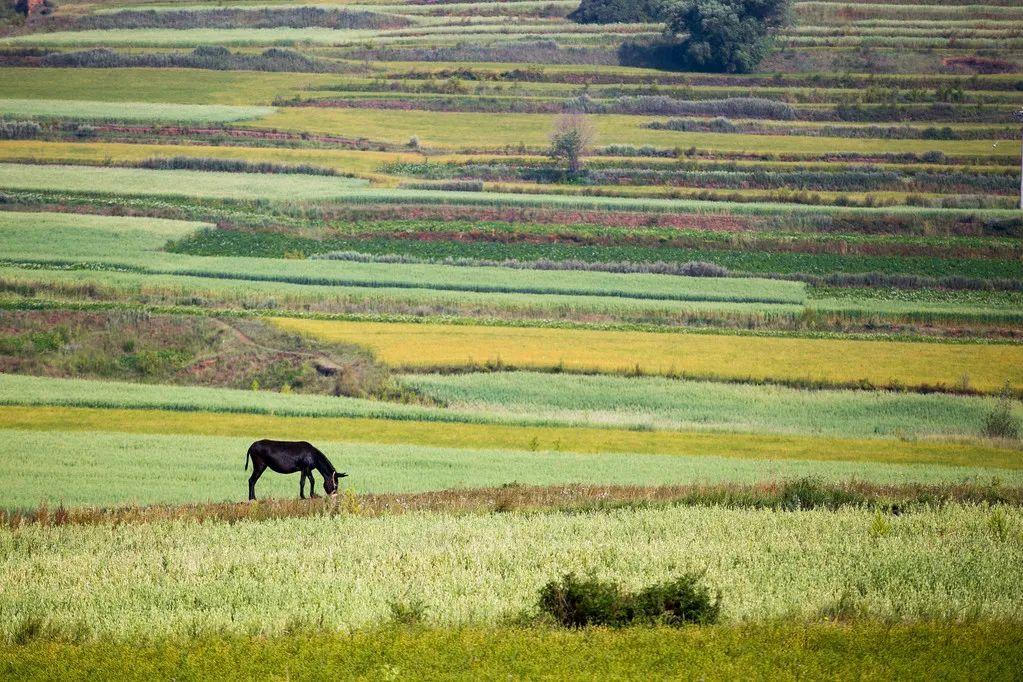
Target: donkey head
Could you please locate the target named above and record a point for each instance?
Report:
(330, 483)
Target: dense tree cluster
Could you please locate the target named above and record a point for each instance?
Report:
(619, 12)
(724, 35)
(730, 36)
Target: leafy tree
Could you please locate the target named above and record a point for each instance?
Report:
(619, 12)
(732, 36)
(572, 136)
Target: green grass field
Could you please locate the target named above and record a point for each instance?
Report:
(98, 467)
(667, 403)
(129, 111)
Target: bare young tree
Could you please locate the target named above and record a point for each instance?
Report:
(572, 137)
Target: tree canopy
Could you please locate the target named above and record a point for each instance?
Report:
(724, 35)
(619, 12)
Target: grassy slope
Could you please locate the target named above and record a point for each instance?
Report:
(864, 651)
(342, 572)
(987, 367)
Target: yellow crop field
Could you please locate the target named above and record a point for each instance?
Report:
(839, 361)
(474, 437)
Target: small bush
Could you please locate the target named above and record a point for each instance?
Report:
(408, 613)
(678, 602)
(1000, 422)
(575, 602)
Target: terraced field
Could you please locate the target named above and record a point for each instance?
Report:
(754, 338)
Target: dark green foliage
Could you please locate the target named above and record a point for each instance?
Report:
(817, 268)
(619, 12)
(408, 613)
(730, 36)
(678, 602)
(575, 603)
(814, 493)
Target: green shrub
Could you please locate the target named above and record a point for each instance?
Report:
(678, 602)
(577, 603)
(408, 613)
(1000, 422)
(574, 602)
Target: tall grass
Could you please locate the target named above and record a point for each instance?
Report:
(219, 577)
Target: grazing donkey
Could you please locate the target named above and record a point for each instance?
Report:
(287, 457)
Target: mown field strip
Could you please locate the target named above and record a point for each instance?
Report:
(838, 361)
(459, 130)
(510, 437)
(130, 111)
(147, 581)
(290, 187)
(237, 295)
(656, 402)
(176, 183)
(534, 399)
(102, 468)
(175, 86)
(341, 160)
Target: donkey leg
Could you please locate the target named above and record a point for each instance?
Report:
(312, 485)
(301, 485)
(257, 471)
